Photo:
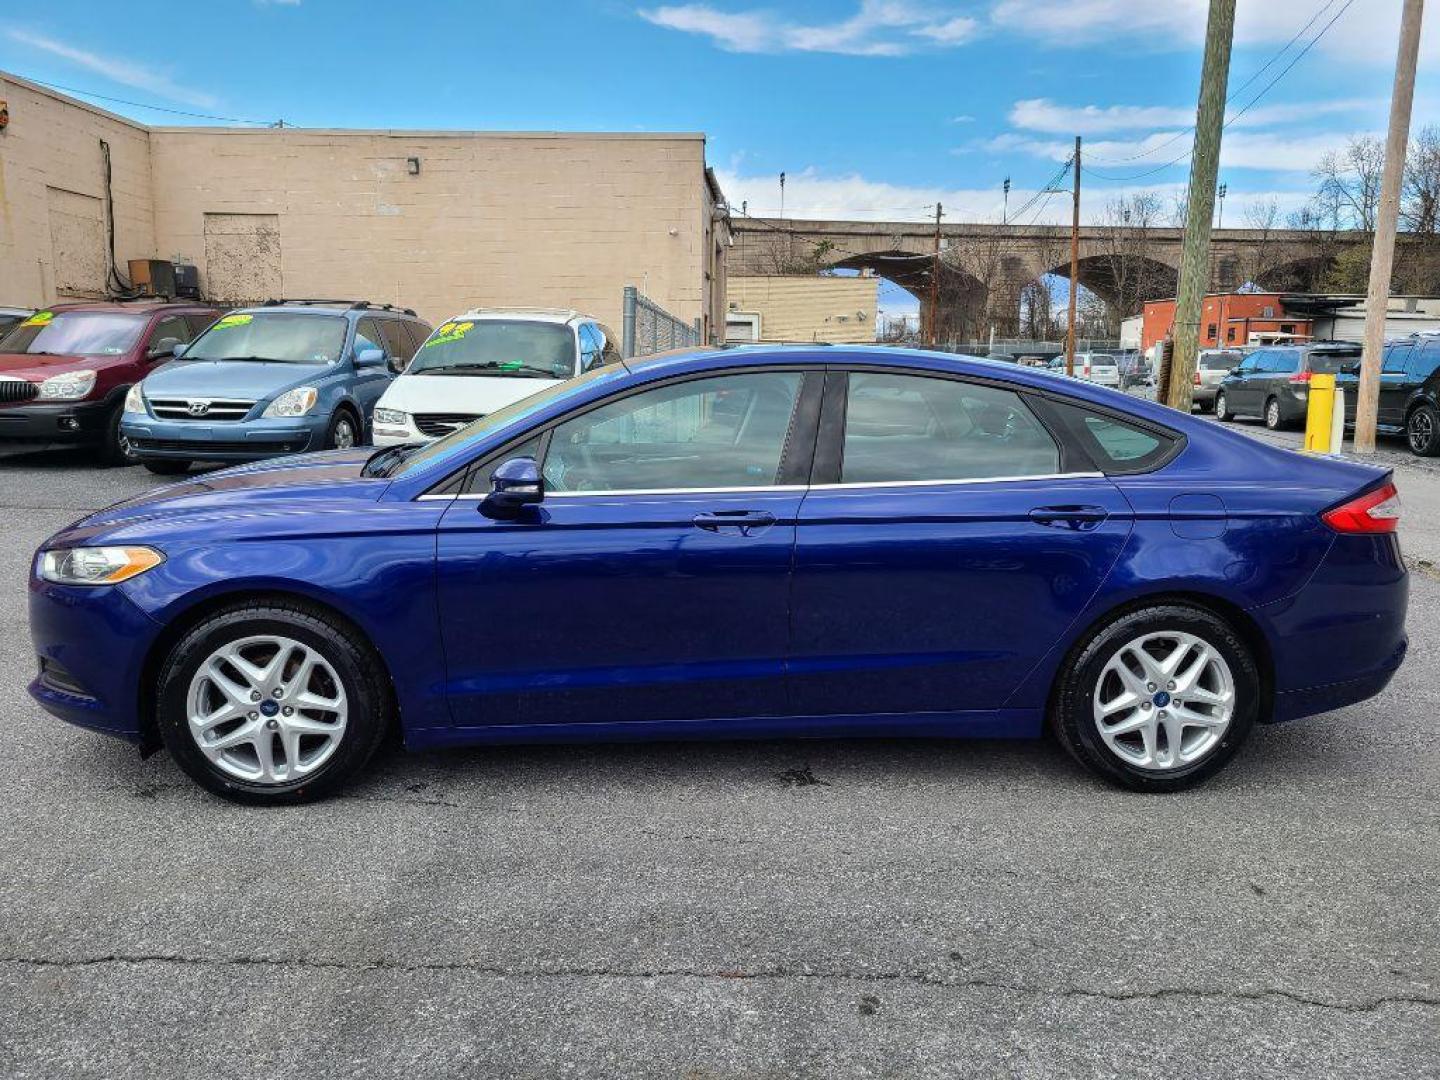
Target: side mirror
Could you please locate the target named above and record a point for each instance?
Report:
(369, 358)
(515, 484)
(164, 347)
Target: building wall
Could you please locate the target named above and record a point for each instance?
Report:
(1263, 310)
(796, 308)
(536, 219)
(53, 200)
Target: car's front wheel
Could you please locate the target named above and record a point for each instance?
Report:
(272, 703)
(1422, 431)
(344, 431)
(1159, 699)
(1222, 407)
(115, 448)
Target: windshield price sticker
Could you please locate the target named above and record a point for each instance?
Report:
(40, 318)
(232, 320)
(451, 331)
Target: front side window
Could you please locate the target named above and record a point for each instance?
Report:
(911, 428)
(723, 432)
(498, 348)
(1397, 358)
(174, 329)
(589, 347)
(397, 343)
(274, 336)
(76, 333)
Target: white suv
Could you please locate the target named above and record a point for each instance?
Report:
(484, 360)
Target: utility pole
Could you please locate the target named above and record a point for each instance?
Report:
(1382, 258)
(933, 332)
(1204, 169)
(1074, 265)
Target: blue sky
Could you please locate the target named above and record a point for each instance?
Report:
(873, 108)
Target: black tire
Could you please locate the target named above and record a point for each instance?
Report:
(115, 449)
(342, 420)
(1073, 715)
(1222, 408)
(1422, 430)
(167, 466)
(1274, 418)
(369, 704)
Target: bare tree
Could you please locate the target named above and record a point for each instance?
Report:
(1349, 184)
(1126, 272)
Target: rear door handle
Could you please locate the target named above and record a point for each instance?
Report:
(1072, 517)
(745, 522)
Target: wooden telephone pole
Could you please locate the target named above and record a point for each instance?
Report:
(933, 335)
(1074, 266)
(1382, 258)
(1204, 170)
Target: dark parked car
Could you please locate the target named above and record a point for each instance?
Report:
(754, 542)
(1409, 392)
(65, 371)
(1274, 382)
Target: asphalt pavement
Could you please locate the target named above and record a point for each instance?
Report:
(900, 908)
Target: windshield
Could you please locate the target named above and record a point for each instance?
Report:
(1219, 361)
(280, 336)
(86, 333)
(458, 442)
(498, 348)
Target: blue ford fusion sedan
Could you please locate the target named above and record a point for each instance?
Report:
(749, 542)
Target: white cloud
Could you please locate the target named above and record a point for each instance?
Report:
(118, 70)
(878, 28)
(811, 195)
(1366, 33)
(1041, 114)
(1128, 157)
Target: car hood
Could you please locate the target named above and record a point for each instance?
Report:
(248, 380)
(34, 367)
(217, 500)
(477, 394)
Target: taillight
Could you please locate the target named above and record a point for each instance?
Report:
(1376, 511)
(1197, 378)
(1300, 376)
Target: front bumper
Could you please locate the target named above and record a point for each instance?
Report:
(244, 440)
(397, 434)
(92, 644)
(54, 422)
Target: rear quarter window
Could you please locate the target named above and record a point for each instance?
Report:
(1118, 446)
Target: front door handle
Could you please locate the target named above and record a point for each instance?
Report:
(1071, 517)
(745, 522)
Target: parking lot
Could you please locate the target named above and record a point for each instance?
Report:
(886, 908)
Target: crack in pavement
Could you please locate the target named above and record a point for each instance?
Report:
(922, 978)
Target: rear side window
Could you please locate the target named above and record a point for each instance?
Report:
(1282, 362)
(1396, 361)
(1219, 361)
(902, 428)
(1332, 363)
(1116, 446)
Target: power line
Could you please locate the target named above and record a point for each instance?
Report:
(1247, 106)
(145, 105)
(1237, 91)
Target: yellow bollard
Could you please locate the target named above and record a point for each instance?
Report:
(1320, 416)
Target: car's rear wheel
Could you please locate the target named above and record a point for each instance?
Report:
(1422, 431)
(1274, 420)
(115, 448)
(272, 703)
(1222, 407)
(1159, 699)
(167, 466)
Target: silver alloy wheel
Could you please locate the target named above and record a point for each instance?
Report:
(1422, 431)
(1220, 411)
(266, 709)
(1272, 414)
(1164, 700)
(344, 437)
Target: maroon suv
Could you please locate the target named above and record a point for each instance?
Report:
(64, 371)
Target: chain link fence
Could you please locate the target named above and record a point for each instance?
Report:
(649, 328)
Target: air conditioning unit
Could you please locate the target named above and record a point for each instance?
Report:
(153, 277)
(187, 280)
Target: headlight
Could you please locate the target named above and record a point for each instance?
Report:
(72, 386)
(97, 565)
(393, 417)
(135, 401)
(295, 402)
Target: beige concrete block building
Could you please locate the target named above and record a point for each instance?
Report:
(437, 220)
(801, 308)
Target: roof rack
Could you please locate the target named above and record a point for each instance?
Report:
(353, 305)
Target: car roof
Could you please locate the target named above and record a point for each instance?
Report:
(358, 308)
(132, 307)
(533, 314)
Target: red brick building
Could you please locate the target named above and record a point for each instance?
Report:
(1226, 319)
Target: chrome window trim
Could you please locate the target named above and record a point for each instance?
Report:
(477, 497)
